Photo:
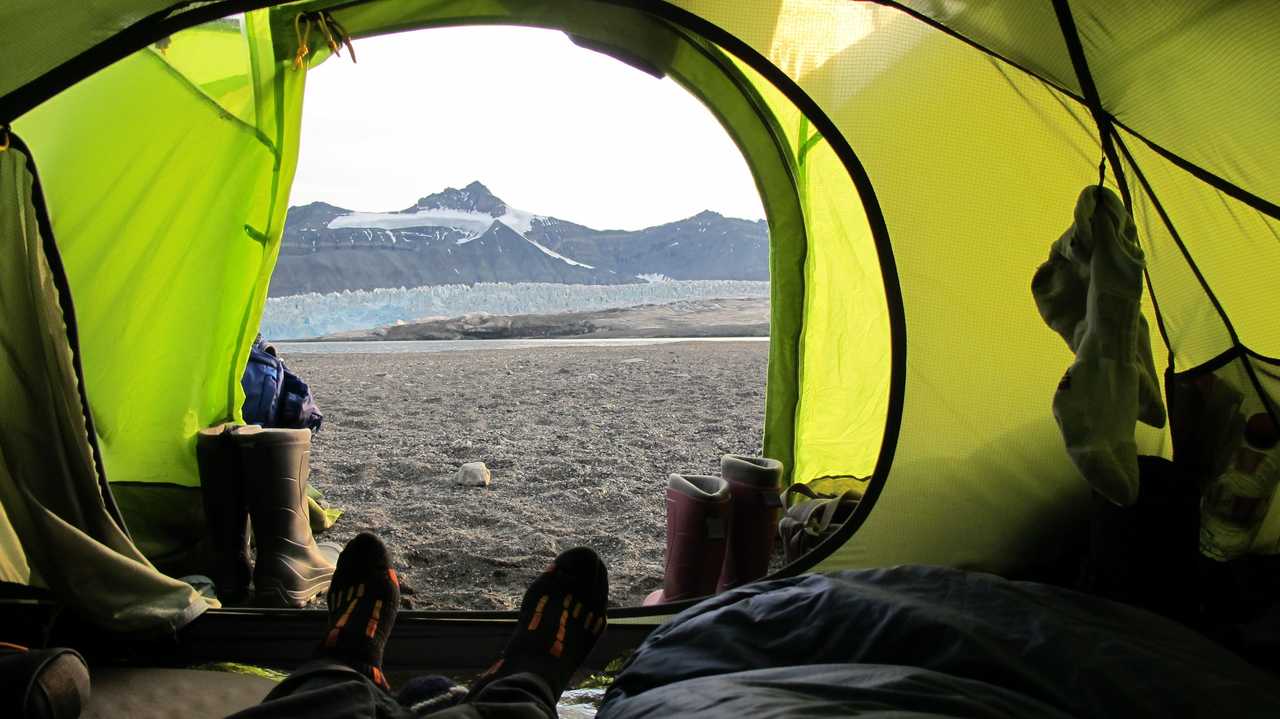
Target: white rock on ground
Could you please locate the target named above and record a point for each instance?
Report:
(474, 474)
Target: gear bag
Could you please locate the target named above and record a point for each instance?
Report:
(275, 396)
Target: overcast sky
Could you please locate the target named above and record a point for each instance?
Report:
(549, 127)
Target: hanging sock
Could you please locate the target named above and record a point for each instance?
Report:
(1090, 293)
(1061, 287)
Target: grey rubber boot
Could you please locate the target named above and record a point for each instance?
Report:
(290, 567)
(225, 511)
(755, 483)
(698, 517)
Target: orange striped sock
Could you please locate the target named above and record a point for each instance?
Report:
(363, 598)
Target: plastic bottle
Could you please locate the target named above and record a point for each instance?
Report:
(1234, 505)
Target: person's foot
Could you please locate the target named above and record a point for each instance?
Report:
(561, 616)
(363, 601)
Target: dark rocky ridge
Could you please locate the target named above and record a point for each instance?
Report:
(707, 246)
(466, 236)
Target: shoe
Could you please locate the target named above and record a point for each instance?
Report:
(225, 511)
(698, 517)
(42, 683)
(755, 484)
(290, 568)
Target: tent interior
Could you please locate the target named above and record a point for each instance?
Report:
(915, 159)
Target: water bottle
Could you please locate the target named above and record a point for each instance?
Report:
(1234, 505)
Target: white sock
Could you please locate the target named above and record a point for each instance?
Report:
(1097, 401)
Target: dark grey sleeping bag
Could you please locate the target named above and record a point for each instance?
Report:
(928, 641)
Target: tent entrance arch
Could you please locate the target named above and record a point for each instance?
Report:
(972, 120)
(251, 104)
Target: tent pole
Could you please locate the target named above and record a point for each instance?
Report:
(1106, 131)
(1236, 343)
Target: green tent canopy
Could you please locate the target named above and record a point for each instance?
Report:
(915, 160)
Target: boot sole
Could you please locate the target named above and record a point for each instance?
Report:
(297, 588)
(274, 593)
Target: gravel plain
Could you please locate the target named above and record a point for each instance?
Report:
(579, 441)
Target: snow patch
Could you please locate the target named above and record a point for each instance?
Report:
(478, 222)
(654, 277)
(557, 255)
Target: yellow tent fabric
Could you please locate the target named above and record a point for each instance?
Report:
(917, 159)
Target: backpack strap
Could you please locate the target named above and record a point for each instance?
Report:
(825, 506)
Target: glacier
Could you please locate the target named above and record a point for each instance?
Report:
(313, 315)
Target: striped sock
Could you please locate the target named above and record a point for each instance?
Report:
(561, 616)
(363, 600)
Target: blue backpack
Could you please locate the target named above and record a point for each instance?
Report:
(274, 396)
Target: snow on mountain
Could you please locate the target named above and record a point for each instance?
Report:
(469, 235)
(559, 256)
(439, 217)
(703, 247)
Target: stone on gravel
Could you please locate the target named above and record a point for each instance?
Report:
(474, 474)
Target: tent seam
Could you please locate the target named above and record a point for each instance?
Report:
(1177, 238)
(937, 25)
(1267, 207)
(222, 111)
(149, 29)
(1151, 288)
(165, 22)
(1204, 283)
(1224, 358)
(1071, 36)
(778, 138)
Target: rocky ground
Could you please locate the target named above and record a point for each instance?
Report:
(579, 442)
(687, 318)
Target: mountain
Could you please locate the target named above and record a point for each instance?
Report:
(467, 235)
(707, 246)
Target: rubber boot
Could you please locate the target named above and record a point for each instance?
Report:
(290, 567)
(698, 517)
(755, 484)
(226, 514)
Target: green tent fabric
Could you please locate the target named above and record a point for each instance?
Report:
(170, 292)
(67, 538)
(915, 159)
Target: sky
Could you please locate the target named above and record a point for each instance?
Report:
(547, 126)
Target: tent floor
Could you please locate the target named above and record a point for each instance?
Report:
(155, 693)
(451, 643)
